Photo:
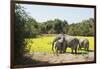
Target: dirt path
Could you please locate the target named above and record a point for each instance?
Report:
(63, 58)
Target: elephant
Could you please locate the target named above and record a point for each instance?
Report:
(58, 44)
(84, 43)
(62, 43)
(71, 42)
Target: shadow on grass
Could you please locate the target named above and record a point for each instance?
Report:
(78, 53)
(91, 50)
(88, 50)
(28, 61)
(81, 52)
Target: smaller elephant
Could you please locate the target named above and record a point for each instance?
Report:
(84, 43)
(58, 47)
(58, 44)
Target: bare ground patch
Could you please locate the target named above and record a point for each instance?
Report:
(62, 58)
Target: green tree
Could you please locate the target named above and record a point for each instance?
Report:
(24, 27)
(31, 28)
(19, 31)
(58, 26)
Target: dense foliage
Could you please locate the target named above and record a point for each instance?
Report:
(19, 22)
(84, 28)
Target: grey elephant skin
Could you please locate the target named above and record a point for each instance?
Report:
(84, 43)
(67, 42)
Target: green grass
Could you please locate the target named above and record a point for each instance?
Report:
(44, 43)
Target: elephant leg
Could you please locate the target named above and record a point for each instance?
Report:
(72, 50)
(60, 51)
(75, 50)
(60, 48)
(64, 49)
(87, 48)
(57, 52)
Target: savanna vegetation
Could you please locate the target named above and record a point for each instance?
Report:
(31, 35)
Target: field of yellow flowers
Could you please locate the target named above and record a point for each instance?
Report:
(44, 43)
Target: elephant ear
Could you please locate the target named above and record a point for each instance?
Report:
(56, 39)
(60, 36)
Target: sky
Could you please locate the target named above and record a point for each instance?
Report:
(43, 13)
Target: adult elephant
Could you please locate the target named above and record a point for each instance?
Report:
(59, 44)
(62, 42)
(71, 42)
(84, 43)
